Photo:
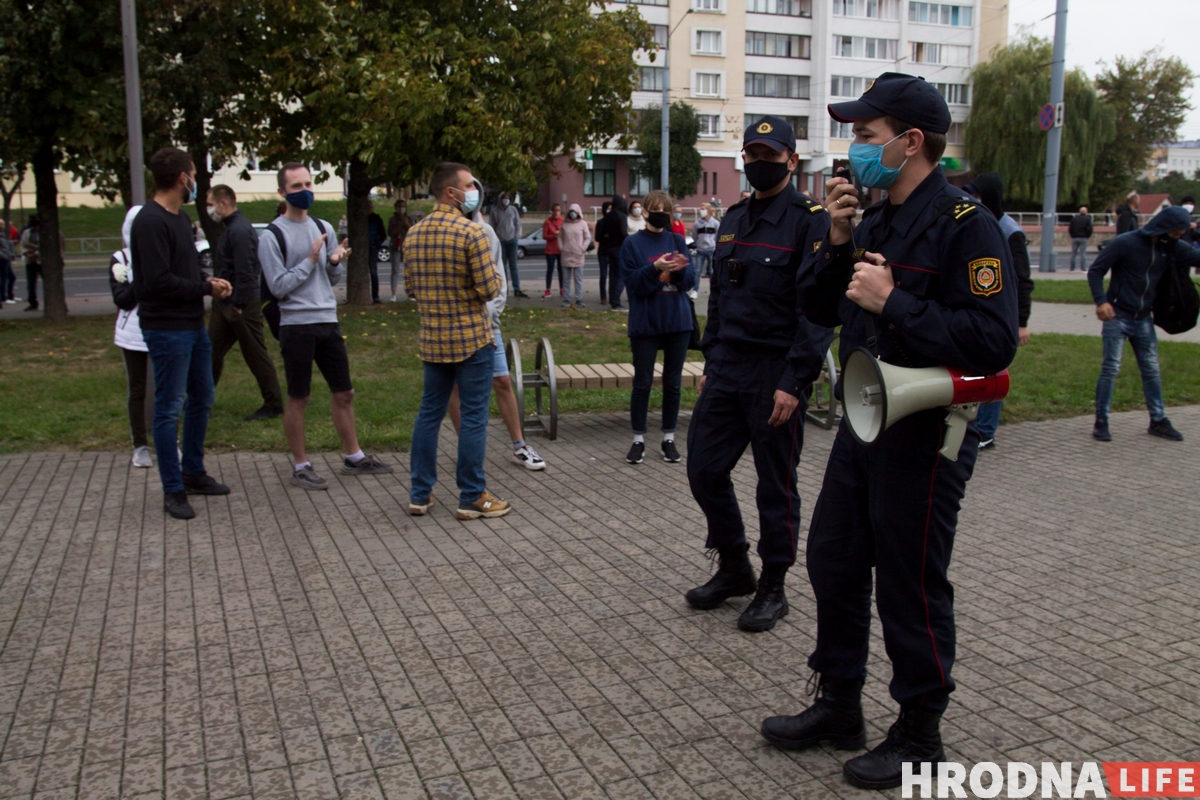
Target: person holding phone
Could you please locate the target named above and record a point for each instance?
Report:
(658, 274)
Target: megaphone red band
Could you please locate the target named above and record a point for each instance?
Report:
(979, 388)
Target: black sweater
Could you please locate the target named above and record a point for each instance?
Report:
(167, 279)
(237, 260)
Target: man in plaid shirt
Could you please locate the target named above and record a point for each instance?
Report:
(451, 273)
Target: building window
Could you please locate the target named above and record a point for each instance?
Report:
(955, 134)
(874, 9)
(840, 130)
(652, 79)
(865, 47)
(783, 8)
(939, 14)
(799, 124)
(707, 84)
(782, 45)
(792, 86)
(601, 179)
(951, 55)
(650, 2)
(707, 42)
(843, 86)
(956, 94)
(640, 185)
(715, 6)
(710, 126)
(660, 36)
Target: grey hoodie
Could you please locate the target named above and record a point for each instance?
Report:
(304, 288)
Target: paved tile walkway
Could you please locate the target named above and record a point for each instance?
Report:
(286, 644)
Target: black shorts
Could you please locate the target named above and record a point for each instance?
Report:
(320, 343)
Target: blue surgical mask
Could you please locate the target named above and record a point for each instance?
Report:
(302, 199)
(470, 200)
(866, 160)
(189, 192)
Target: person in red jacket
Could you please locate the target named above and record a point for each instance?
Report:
(677, 225)
(550, 230)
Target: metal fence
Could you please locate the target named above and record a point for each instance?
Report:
(100, 245)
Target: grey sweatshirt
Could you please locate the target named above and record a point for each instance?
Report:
(304, 288)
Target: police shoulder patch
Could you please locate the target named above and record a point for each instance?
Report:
(985, 276)
(726, 237)
(963, 209)
(815, 207)
(817, 245)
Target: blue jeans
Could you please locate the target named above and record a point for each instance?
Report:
(1079, 248)
(703, 262)
(474, 379)
(554, 261)
(508, 250)
(182, 367)
(988, 419)
(1140, 333)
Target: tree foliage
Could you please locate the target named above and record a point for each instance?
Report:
(1149, 97)
(1002, 133)
(1175, 184)
(685, 162)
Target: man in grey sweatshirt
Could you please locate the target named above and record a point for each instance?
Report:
(301, 261)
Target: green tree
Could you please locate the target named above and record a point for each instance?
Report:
(1149, 96)
(685, 164)
(389, 88)
(1175, 184)
(1002, 133)
(55, 57)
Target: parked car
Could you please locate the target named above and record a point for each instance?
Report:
(531, 245)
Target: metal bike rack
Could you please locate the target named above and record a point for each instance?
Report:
(542, 377)
(823, 409)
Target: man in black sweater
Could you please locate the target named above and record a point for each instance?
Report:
(238, 319)
(1080, 231)
(170, 291)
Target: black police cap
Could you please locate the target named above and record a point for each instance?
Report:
(904, 97)
(775, 132)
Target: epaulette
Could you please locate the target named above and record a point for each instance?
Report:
(809, 203)
(963, 208)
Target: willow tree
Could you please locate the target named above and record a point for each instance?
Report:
(387, 89)
(1002, 130)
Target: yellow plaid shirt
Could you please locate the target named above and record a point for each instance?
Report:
(449, 268)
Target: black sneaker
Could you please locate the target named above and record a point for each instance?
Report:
(367, 465)
(263, 413)
(203, 483)
(519, 293)
(670, 453)
(1100, 431)
(636, 453)
(307, 478)
(176, 504)
(1164, 430)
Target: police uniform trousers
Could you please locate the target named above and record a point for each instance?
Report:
(893, 506)
(732, 412)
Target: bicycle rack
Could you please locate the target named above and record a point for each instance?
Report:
(542, 377)
(824, 410)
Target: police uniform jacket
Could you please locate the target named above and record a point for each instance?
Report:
(955, 301)
(758, 313)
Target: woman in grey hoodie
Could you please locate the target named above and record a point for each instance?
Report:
(574, 239)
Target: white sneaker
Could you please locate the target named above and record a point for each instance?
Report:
(394, 298)
(141, 457)
(529, 457)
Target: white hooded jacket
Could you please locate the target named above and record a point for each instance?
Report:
(129, 331)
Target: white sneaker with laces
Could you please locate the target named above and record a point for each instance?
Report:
(529, 457)
(141, 457)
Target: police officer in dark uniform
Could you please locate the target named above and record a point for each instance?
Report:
(925, 279)
(761, 357)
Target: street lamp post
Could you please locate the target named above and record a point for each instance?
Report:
(1053, 141)
(666, 106)
(133, 103)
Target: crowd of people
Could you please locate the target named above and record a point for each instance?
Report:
(929, 275)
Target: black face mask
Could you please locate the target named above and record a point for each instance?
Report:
(766, 175)
(659, 219)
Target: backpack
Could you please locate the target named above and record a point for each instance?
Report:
(1177, 303)
(270, 303)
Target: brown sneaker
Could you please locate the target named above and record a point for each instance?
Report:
(416, 509)
(486, 506)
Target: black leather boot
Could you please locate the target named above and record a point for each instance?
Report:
(734, 578)
(770, 603)
(913, 737)
(835, 717)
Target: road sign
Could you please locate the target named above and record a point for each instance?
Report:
(1058, 115)
(1046, 117)
(587, 158)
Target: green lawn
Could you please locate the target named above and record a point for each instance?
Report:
(63, 387)
(1068, 291)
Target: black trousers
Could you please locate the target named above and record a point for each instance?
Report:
(139, 398)
(226, 327)
(374, 257)
(32, 273)
(892, 506)
(732, 412)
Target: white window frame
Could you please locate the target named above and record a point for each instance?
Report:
(936, 8)
(841, 131)
(716, 132)
(709, 6)
(695, 83)
(837, 49)
(861, 7)
(722, 39)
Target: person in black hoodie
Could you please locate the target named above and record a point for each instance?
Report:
(170, 289)
(611, 232)
(1138, 260)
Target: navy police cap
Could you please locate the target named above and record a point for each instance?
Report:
(904, 97)
(775, 132)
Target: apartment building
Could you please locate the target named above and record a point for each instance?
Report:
(738, 60)
(1181, 157)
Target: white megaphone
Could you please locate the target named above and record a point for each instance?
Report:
(877, 395)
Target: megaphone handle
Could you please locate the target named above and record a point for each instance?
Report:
(957, 419)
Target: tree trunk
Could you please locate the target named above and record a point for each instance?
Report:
(198, 150)
(358, 274)
(53, 285)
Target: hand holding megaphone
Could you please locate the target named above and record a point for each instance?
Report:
(871, 283)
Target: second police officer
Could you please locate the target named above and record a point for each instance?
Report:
(926, 279)
(761, 357)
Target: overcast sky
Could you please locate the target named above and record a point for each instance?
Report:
(1100, 30)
